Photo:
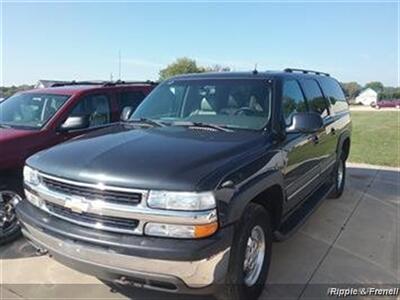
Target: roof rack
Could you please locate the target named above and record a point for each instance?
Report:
(101, 83)
(73, 82)
(292, 70)
(121, 82)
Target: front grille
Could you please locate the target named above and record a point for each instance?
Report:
(117, 197)
(92, 220)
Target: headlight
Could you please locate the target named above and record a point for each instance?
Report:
(181, 200)
(31, 176)
(180, 231)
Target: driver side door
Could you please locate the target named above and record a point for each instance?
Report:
(302, 166)
(96, 107)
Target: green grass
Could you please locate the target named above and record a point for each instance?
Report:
(376, 138)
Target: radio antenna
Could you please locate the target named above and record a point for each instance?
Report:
(255, 69)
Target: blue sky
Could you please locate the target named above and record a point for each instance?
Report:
(353, 41)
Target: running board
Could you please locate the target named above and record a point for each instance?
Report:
(302, 213)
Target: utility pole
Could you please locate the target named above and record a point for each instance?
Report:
(119, 64)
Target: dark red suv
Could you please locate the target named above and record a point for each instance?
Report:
(37, 119)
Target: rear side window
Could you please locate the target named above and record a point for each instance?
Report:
(130, 98)
(292, 100)
(334, 92)
(96, 107)
(315, 99)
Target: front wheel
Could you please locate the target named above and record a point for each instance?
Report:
(9, 227)
(339, 179)
(250, 256)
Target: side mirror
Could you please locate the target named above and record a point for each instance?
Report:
(75, 123)
(126, 113)
(306, 122)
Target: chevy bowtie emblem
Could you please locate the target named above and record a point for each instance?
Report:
(78, 205)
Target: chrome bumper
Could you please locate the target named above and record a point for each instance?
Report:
(194, 274)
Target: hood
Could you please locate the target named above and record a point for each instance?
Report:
(9, 134)
(172, 158)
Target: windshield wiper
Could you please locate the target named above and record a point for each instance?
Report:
(146, 121)
(201, 125)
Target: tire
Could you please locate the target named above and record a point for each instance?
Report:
(238, 284)
(339, 179)
(10, 229)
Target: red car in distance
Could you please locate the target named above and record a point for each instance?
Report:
(388, 103)
(37, 119)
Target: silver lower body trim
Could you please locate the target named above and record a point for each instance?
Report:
(330, 164)
(195, 274)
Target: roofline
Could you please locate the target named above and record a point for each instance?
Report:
(103, 83)
(251, 74)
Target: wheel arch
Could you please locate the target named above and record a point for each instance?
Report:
(272, 199)
(343, 148)
(267, 192)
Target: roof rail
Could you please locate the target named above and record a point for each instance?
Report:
(73, 82)
(292, 70)
(101, 83)
(120, 82)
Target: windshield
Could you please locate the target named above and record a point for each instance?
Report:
(30, 110)
(232, 103)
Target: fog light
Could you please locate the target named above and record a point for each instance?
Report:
(180, 231)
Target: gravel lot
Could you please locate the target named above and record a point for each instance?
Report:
(351, 240)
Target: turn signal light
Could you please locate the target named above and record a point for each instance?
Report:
(201, 231)
(181, 231)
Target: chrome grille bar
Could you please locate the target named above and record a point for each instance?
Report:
(98, 186)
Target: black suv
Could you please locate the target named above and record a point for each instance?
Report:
(188, 194)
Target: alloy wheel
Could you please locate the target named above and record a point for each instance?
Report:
(254, 256)
(340, 174)
(8, 219)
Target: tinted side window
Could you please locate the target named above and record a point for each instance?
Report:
(96, 107)
(315, 99)
(335, 94)
(131, 98)
(292, 100)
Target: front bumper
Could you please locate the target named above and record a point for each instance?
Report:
(122, 263)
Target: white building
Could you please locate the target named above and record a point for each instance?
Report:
(367, 97)
(47, 83)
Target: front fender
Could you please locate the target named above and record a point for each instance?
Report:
(233, 199)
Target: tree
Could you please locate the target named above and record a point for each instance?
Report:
(390, 92)
(377, 86)
(186, 65)
(182, 65)
(351, 89)
(6, 92)
(218, 68)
